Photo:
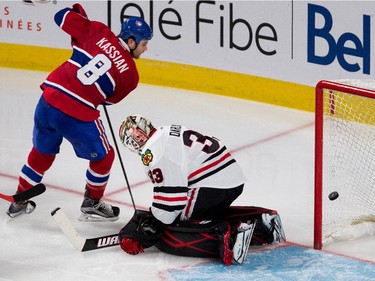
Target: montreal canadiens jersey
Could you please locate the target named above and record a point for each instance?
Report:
(101, 69)
(179, 160)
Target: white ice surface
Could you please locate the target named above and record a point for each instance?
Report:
(274, 146)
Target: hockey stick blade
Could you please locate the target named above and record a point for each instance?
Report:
(100, 242)
(25, 195)
(81, 243)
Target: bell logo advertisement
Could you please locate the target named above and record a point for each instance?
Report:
(352, 51)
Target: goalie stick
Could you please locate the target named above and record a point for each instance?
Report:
(25, 195)
(81, 243)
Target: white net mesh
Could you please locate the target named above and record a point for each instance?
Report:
(348, 162)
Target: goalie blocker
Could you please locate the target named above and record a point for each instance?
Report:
(227, 237)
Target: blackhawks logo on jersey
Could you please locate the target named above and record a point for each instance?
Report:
(147, 157)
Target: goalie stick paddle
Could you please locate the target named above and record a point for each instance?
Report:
(81, 243)
(25, 195)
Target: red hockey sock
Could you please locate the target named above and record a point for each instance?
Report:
(32, 173)
(98, 174)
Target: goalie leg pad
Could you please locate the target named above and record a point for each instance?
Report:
(272, 229)
(216, 238)
(225, 243)
(193, 239)
(208, 239)
(268, 230)
(241, 246)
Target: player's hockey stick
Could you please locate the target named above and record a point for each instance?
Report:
(81, 243)
(25, 195)
(119, 155)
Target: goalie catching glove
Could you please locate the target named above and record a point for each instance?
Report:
(141, 232)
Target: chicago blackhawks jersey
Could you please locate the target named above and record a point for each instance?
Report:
(101, 69)
(178, 161)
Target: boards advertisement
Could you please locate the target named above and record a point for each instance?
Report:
(297, 42)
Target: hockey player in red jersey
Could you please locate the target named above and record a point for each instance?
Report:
(195, 178)
(101, 71)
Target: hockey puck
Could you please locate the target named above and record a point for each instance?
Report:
(333, 195)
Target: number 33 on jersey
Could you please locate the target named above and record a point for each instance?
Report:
(175, 156)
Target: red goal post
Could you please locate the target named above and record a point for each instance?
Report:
(344, 160)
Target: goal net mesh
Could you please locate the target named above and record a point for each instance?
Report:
(348, 160)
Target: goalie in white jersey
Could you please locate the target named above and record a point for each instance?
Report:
(194, 175)
(196, 180)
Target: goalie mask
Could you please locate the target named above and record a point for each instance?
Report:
(134, 132)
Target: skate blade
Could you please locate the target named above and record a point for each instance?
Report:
(95, 218)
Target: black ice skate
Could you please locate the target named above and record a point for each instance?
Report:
(18, 208)
(98, 210)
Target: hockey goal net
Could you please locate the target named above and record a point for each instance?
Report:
(344, 160)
